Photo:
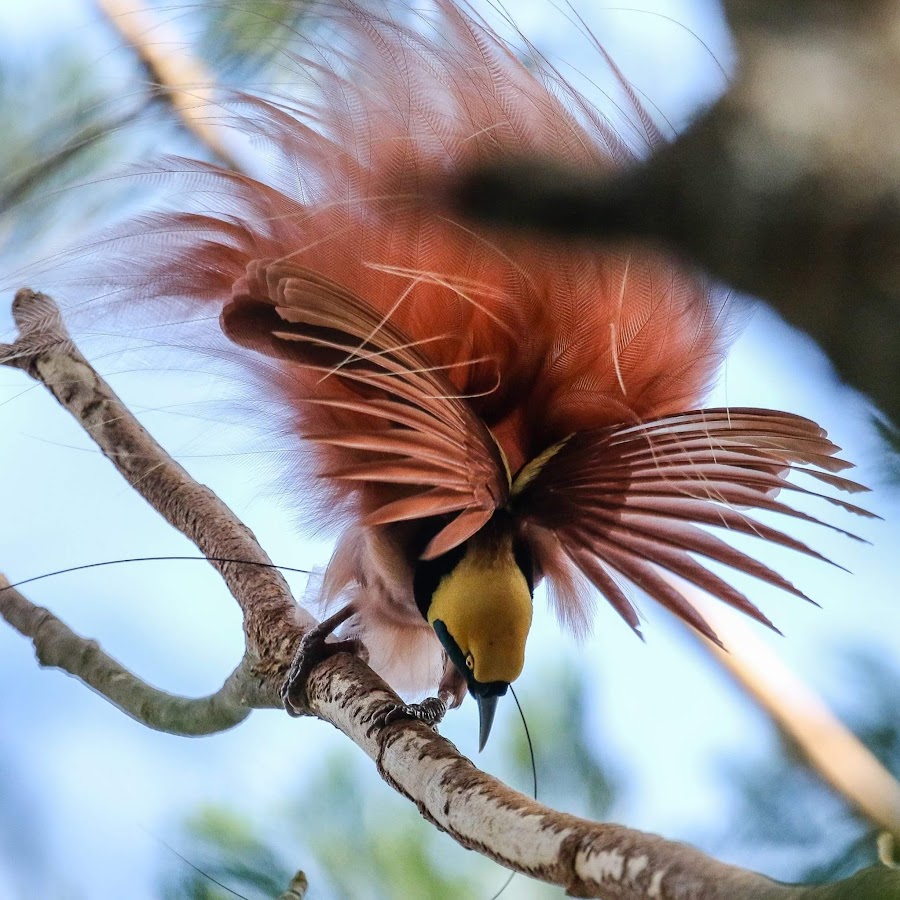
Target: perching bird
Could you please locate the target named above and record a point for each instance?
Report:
(484, 411)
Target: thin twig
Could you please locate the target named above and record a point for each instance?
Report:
(297, 888)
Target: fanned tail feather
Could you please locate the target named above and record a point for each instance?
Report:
(543, 338)
(624, 502)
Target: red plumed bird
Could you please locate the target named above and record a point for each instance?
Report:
(484, 410)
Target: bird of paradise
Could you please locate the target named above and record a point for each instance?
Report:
(484, 410)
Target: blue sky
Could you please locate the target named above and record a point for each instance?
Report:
(102, 782)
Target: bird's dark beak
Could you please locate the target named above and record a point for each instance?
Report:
(487, 706)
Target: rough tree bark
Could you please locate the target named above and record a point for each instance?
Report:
(588, 859)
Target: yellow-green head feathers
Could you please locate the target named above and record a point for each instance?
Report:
(484, 603)
(478, 599)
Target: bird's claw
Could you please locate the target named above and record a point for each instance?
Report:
(309, 654)
(431, 711)
(313, 649)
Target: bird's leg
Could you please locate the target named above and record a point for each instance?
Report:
(315, 648)
(452, 689)
(431, 710)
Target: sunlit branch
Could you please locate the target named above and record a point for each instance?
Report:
(177, 77)
(832, 750)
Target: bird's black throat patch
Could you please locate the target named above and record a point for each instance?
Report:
(428, 574)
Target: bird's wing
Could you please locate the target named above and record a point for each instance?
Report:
(625, 502)
(403, 432)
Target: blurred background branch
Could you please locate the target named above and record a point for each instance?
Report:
(821, 739)
(173, 73)
(788, 187)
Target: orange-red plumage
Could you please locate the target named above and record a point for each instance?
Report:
(426, 360)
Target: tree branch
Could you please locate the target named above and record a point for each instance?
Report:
(57, 645)
(46, 352)
(587, 858)
(787, 188)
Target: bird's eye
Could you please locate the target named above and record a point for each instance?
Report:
(470, 661)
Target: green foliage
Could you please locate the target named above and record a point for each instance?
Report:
(60, 128)
(84, 111)
(239, 39)
(367, 845)
(225, 850)
(567, 765)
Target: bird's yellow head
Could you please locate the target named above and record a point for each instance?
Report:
(478, 600)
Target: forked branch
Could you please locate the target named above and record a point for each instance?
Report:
(587, 858)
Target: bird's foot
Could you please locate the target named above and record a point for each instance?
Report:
(431, 711)
(314, 648)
